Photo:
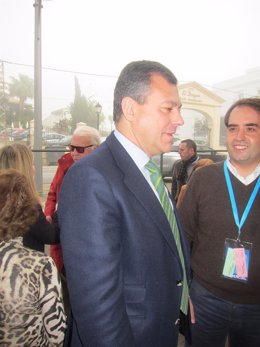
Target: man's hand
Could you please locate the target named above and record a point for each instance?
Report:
(192, 314)
(49, 219)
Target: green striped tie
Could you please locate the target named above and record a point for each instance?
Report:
(158, 183)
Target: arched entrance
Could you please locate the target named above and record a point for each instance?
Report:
(203, 108)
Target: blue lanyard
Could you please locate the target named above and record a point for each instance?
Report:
(233, 200)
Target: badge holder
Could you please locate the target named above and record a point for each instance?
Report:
(237, 256)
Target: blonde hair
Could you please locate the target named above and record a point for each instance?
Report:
(202, 162)
(18, 207)
(18, 156)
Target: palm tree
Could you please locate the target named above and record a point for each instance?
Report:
(22, 88)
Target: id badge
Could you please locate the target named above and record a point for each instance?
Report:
(236, 260)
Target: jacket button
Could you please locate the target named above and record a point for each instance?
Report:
(177, 322)
(179, 283)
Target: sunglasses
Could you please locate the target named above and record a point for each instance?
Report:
(79, 149)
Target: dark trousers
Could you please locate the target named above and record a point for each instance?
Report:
(217, 319)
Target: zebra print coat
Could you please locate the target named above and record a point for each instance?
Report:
(31, 306)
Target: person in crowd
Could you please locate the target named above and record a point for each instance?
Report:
(31, 304)
(223, 226)
(84, 141)
(18, 156)
(182, 168)
(199, 164)
(126, 264)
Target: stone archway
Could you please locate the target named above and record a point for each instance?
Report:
(196, 97)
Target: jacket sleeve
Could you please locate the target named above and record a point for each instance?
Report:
(50, 204)
(189, 209)
(52, 197)
(42, 232)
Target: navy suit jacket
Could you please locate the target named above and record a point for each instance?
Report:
(121, 261)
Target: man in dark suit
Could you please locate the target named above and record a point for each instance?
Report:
(124, 272)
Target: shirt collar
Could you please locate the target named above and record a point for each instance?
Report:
(245, 180)
(137, 154)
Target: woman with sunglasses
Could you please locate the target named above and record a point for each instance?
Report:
(18, 156)
(84, 141)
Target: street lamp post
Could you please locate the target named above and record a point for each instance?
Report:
(38, 97)
(98, 109)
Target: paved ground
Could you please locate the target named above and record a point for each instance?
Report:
(181, 342)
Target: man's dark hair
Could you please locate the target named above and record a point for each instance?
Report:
(251, 102)
(134, 81)
(190, 144)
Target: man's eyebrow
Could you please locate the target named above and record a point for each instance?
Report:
(247, 125)
(172, 102)
(252, 125)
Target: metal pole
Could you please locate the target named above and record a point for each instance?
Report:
(98, 121)
(38, 97)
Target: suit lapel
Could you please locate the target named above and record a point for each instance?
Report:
(138, 185)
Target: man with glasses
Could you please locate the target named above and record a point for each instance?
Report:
(84, 141)
(124, 253)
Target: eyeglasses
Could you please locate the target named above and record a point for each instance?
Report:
(79, 149)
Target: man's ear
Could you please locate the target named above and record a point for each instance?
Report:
(128, 107)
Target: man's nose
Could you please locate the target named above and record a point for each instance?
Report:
(240, 134)
(176, 118)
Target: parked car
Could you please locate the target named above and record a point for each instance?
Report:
(64, 142)
(21, 135)
(165, 161)
(55, 148)
(4, 135)
(51, 138)
(14, 134)
(8, 133)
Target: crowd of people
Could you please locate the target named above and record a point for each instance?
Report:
(130, 263)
